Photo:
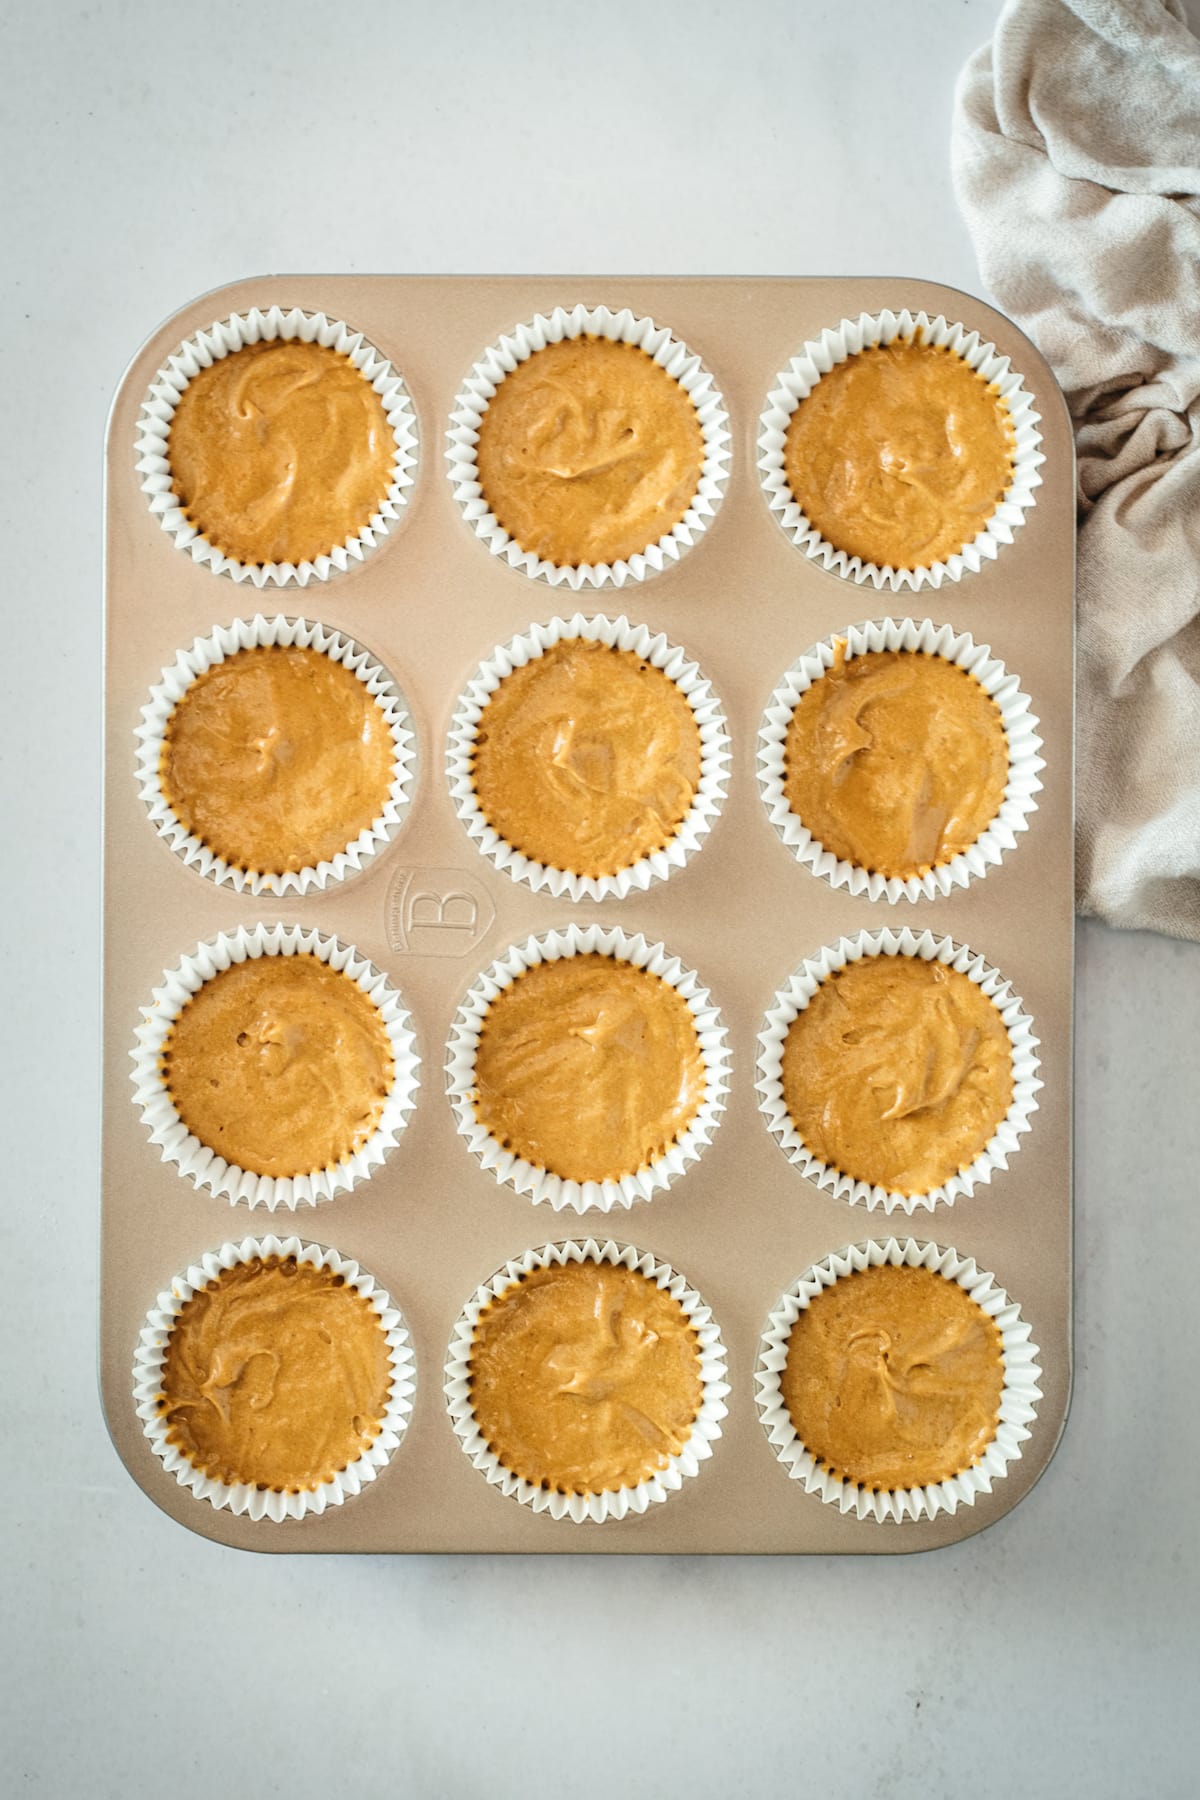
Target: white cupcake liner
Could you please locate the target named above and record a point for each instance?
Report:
(538, 1183)
(615, 1503)
(714, 757)
(795, 996)
(1018, 1399)
(1024, 761)
(259, 1503)
(516, 347)
(198, 1161)
(204, 654)
(848, 338)
(219, 340)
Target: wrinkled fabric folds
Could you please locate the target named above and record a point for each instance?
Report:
(1076, 157)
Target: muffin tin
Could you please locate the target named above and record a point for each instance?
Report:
(742, 1224)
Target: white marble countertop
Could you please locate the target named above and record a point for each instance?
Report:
(150, 153)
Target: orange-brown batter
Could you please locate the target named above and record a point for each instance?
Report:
(276, 1375)
(585, 1378)
(588, 1067)
(893, 1378)
(900, 454)
(897, 1072)
(280, 452)
(586, 758)
(277, 758)
(281, 1064)
(896, 761)
(589, 452)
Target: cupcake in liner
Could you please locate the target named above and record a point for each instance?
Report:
(619, 327)
(1024, 760)
(849, 338)
(615, 1503)
(220, 340)
(200, 1163)
(540, 1184)
(795, 996)
(714, 757)
(255, 1501)
(1018, 1399)
(204, 654)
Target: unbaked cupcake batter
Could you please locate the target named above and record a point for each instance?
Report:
(588, 1067)
(585, 1378)
(276, 1375)
(893, 1378)
(281, 1064)
(895, 761)
(586, 758)
(277, 758)
(589, 452)
(280, 452)
(900, 455)
(897, 1072)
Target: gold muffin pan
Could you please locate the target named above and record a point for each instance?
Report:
(742, 1223)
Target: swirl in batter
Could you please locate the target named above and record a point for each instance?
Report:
(277, 758)
(281, 1064)
(586, 758)
(588, 1067)
(276, 1375)
(893, 1378)
(280, 452)
(589, 452)
(895, 761)
(900, 455)
(585, 1378)
(897, 1072)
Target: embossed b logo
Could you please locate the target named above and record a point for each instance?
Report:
(437, 912)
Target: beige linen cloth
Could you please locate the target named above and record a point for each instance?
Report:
(1076, 155)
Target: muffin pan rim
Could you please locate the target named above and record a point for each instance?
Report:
(445, 309)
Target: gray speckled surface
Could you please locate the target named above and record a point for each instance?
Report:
(148, 155)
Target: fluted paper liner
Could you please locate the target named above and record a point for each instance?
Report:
(795, 996)
(516, 347)
(538, 1183)
(1018, 1399)
(848, 338)
(199, 1162)
(204, 654)
(614, 1503)
(1020, 728)
(652, 648)
(220, 340)
(244, 1497)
